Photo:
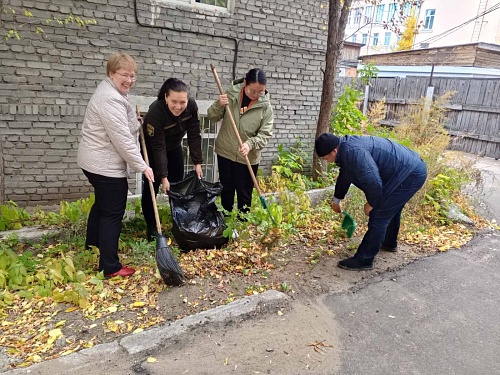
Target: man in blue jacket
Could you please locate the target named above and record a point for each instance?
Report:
(388, 173)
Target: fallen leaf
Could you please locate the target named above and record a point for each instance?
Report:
(137, 304)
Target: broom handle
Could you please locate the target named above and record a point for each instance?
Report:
(151, 188)
(235, 128)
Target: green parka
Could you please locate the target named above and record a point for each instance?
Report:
(255, 126)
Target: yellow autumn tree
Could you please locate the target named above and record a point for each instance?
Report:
(406, 41)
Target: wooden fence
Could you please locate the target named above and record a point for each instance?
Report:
(474, 111)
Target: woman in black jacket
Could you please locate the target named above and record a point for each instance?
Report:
(168, 120)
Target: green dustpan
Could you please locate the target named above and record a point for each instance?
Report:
(349, 224)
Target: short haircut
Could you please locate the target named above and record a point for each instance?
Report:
(120, 60)
(172, 84)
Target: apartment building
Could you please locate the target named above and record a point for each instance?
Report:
(442, 22)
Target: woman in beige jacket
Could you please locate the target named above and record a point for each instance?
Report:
(108, 144)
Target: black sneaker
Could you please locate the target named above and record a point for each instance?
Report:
(353, 264)
(389, 249)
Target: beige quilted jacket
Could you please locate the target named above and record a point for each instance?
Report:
(109, 134)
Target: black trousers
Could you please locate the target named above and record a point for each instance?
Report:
(235, 177)
(104, 224)
(175, 174)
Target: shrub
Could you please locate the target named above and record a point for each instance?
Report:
(12, 216)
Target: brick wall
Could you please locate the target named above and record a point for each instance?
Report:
(45, 82)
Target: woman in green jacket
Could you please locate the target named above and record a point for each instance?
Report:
(248, 101)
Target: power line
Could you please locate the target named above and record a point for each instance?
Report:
(453, 29)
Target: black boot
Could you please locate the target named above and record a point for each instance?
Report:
(390, 249)
(152, 234)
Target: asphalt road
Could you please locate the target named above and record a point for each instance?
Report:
(438, 315)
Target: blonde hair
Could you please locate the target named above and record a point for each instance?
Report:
(120, 60)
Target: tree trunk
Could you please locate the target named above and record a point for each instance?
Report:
(337, 20)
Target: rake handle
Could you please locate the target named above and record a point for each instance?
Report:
(235, 128)
(151, 188)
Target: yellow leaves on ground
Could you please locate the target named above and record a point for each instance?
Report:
(118, 326)
(442, 238)
(217, 262)
(54, 334)
(34, 330)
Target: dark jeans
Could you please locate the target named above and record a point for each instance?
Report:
(235, 177)
(175, 174)
(385, 219)
(105, 219)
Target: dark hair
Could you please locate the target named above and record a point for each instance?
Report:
(256, 75)
(172, 84)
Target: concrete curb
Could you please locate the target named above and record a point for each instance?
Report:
(28, 233)
(147, 341)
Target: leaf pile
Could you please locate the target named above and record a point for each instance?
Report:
(35, 329)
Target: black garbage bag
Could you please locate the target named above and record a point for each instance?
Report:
(197, 223)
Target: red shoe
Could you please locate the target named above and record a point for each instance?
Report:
(125, 271)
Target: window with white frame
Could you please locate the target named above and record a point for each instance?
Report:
(375, 39)
(209, 131)
(217, 3)
(357, 17)
(393, 7)
(406, 9)
(364, 38)
(429, 18)
(379, 15)
(353, 38)
(387, 38)
(209, 5)
(350, 17)
(368, 14)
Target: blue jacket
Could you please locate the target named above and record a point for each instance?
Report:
(375, 165)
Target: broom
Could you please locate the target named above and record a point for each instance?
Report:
(170, 271)
(235, 128)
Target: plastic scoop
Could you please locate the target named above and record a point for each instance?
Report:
(349, 224)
